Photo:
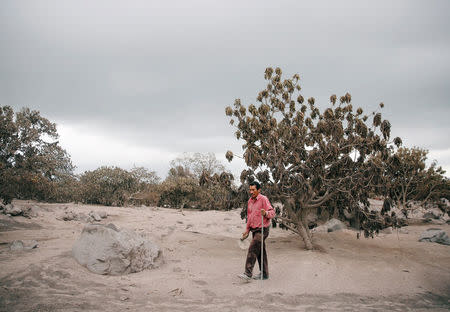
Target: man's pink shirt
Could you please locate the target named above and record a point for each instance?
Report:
(254, 212)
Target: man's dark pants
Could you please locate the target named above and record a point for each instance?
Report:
(254, 252)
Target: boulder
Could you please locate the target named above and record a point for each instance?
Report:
(335, 225)
(69, 215)
(83, 217)
(330, 226)
(12, 210)
(320, 229)
(433, 213)
(112, 251)
(435, 236)
(103, 214)
(417, 213)
(94, 215)
(437, 221)
(23, 245)
(30, 212)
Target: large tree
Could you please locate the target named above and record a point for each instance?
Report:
(31, 159)
(306, 156)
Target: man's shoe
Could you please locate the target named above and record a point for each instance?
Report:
(258, 277)
(245, 277)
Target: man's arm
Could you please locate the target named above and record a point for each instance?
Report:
(247, 228)
(270, 212)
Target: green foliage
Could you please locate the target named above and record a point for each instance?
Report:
(31, 160)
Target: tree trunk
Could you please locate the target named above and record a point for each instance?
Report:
(357, 221)
(298, 218)
(303, 231)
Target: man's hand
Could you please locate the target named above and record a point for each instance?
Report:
(244, 235)
(263, 212)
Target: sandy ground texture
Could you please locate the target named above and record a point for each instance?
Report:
(392, 272)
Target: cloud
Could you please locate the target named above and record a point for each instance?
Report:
(90, 148)
(442, 157)
(158, 75)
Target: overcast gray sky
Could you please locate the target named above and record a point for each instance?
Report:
(140, 82)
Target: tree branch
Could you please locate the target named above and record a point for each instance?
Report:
(287, 226)
(320, 201)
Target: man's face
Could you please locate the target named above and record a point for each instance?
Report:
(253, 191)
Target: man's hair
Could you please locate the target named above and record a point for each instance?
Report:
(255, 183)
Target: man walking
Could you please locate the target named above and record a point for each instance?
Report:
(258, 205)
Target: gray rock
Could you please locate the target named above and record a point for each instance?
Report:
(387, 230)
(330, 226)
(16, 245)
(30, 212)
(30, 244)
(103, 214)
(13, 210)
(435, 236)
(69, 216)
(437, 221)
(335, 225)
(94, 215)
(23, 245)
(320, 229)
(108, 250)
(83, 217)
(433, 213)
(416, 213)
(113, 227)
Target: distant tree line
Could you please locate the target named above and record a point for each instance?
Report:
(34, 166)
